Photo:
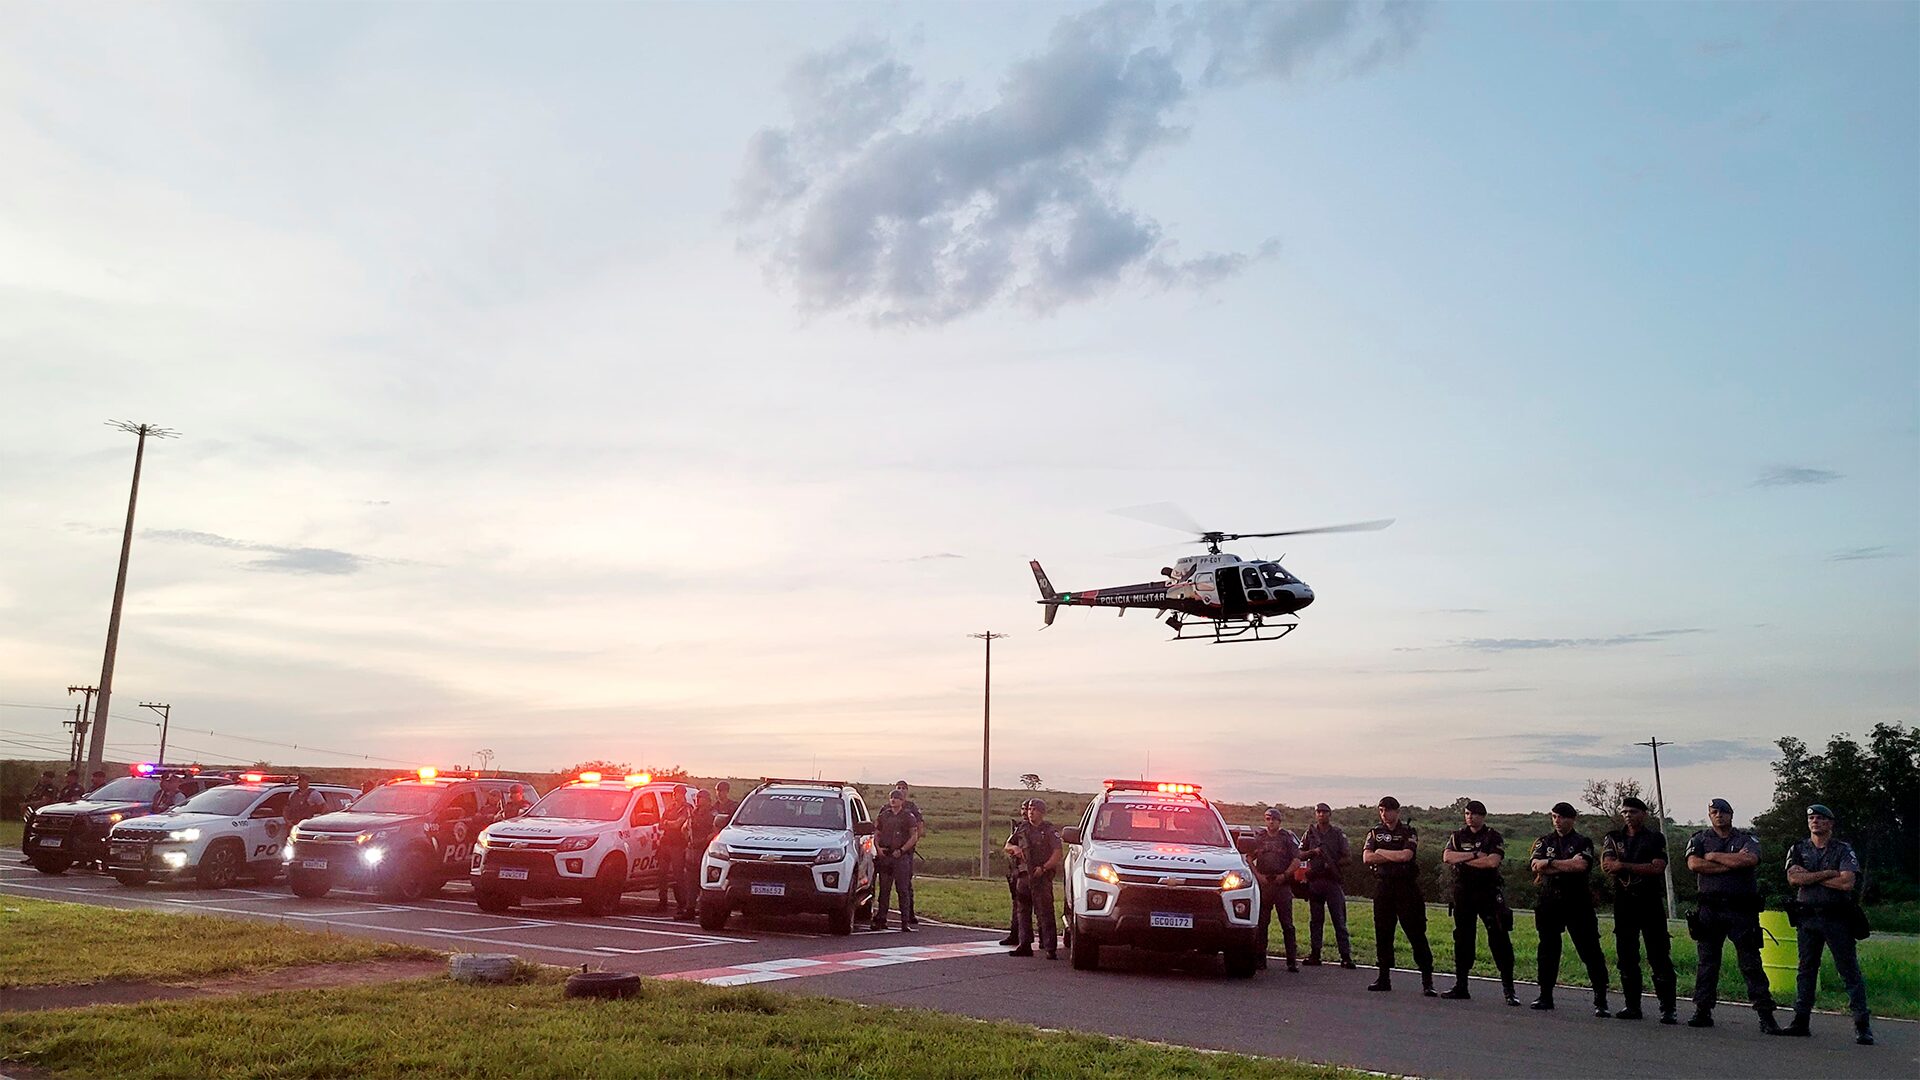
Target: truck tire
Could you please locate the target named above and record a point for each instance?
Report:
(602, 984)
(220, 866)
(713, 912)
(1241, 960)
(1083, 951)
(840, 919)
(51, 866)
(308, 886)
(603, 898)
(132, 878)
(492, 901)
(408, 880)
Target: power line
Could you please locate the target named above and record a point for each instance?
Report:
(240, 738)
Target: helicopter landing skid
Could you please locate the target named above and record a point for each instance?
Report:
(1229, 631)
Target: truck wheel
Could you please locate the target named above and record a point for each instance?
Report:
(492, 900)
(131, 878)
(604, 896)
(51, 866)
(406, 881)
(602, 984)
(1082, 950)
(1241, 961)
(308, 886)
(219, 866)
(713, 912)
(840, 919)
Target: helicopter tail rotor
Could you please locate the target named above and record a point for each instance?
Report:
(1048, 595)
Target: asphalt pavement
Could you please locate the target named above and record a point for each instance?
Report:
(1320, 1014)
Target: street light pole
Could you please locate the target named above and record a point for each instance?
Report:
(166, 714)
(97, 751)
(1659, 796)
(986, 733)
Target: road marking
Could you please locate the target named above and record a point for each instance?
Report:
(803, 967)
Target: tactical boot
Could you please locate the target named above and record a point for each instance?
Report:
(1024, 950)
(1600, 1008)
(1701, 1018)
(1311, 961)
(1667, 1016)
(1543, 1003)
(1382, 984)
(1630, 1012)
(1797, 1029)
(1769, 1026)
(1863, 1032)
(1349, 965)
(1009, 940)
(1459, 991)
(1426, 985)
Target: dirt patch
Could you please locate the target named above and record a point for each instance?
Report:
(307, 977)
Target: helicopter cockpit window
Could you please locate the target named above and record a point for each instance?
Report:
(1276, 577)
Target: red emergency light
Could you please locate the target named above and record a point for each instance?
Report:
(1156, 786)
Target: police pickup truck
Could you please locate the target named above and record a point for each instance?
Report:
(793, 846)
(61, 834)
(405, 839)
(1152, 865)
(219, 835)
(594, 839)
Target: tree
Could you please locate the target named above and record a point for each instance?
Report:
(604, 768)
(1605, 796)
(1030, 781)
(1874, 792)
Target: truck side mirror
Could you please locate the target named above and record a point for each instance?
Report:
(863, 828)
(1070, 834)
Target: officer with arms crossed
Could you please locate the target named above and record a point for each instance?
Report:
(1475, 853)
(1635, 857)
(1039, 852)
(1325, 851)
(1725, 858)
(1562, 861)
(169, 795)
(1827, 873)
(895, 832)
(1274, 852)
(304, 803)
(1389, 850)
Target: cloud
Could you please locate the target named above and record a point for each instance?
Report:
(869, 201)
(1628, 756)
(1524, 644)
(1860, 553)
(278, 559)
(1794, 476)
(1458, 611)
(931, 558)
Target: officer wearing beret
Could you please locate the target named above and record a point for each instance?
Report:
(1562, 861)
(1389, 851)
(1324, 849)
(1635, 857)
(1475, 853)
(1827, 874)
(1725, 858)
(1274, 852)
(1039, 852)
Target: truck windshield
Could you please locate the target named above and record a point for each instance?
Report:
(222, 801)
(1159, 823)
(399, 799)
(126, 789)
(586, 804)
(793, 810)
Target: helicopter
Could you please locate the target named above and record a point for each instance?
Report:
(1217, 596)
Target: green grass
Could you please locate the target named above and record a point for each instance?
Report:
(46, 943)
(10, 836)
(673, 1029)
(1891, 965)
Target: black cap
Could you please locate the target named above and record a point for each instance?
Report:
(1274, 813)
(1565, 810)
(1721, 805)
(1631, 803)
(1820, 809)
(1322, 806)
(1388, 802)
(1037, 804)
(898, 793)
(1475, 806)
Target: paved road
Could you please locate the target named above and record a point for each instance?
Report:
(1321, 1014)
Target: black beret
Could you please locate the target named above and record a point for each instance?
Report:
(1475, 806)
(1565, 810)
(1631, 803)
(1388, 802)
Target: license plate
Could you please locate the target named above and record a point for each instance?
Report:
(313, 864)
(1170, 920)
(52, 841)
(761, 888)
(126, 851)
(513, 875)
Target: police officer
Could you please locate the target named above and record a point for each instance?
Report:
(1562, 861)
(1040, 852)
(1325, 850)
(169, 795)
(303, 803)
(894, 835)
(44, 792)
(1635, 857)
(723, 805)
(700, 832)
(1274, 853)
(1475, 853)
(673, 848)
(1013, 875)
(1827, 874)
(1725, 857)
(70, 790)
(98, 780)
(1389, 849)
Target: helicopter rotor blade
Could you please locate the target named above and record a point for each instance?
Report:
(1164, 514)
(1357, 526)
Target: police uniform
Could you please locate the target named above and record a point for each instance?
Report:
(1034, 890)
(1566, 904)
(892, 873)
(1397, 898)
(1825, 921)
(673, 848)
(1477, 898)
(1273, 854)
(303, 805)
(700, 832)
(1326, 893)
(1013, 877)
(1640, 911)
(1729, 911)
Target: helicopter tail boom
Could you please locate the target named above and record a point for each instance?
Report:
(1048, 595)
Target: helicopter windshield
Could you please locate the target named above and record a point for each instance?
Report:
(1275, 576)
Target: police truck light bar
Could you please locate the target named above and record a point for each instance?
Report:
(428, 772)
(639, 778)
(589, 777)
(1153, 786)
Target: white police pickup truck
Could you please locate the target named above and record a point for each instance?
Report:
(793, 846)
(218, 836)
(1153, 865)
(595, 839)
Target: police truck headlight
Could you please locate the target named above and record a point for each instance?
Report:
(577, 843)
(1232, 881)
(175, 860)
(188, 835)
(830, 855)
(719, 853)
(484, 842)
(1105, 872)
(373, 855)
(286, 853)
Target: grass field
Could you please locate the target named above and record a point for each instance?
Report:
(10, 835)
(44, 943)
(1891, 965)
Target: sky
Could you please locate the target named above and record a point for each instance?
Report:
(682, 384)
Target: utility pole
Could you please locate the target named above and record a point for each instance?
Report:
(97, 752)
(986, 739)
(1659, 796)
(79, 723)
(166, 715)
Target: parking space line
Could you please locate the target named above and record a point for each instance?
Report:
(804, 967)
(488, 929)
